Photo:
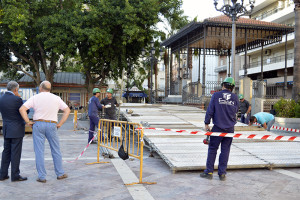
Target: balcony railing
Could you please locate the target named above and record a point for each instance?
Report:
(273, 91)
(272, 60)
(267, 14)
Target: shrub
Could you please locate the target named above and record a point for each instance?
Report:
(286, 108)
(297, 110)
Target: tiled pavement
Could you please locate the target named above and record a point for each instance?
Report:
(102, 181)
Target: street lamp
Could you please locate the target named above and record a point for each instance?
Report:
(152, 60)
(234, 9)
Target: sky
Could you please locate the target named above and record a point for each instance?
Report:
(201, 8)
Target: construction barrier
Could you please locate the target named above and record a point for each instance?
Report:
(81, 152)
(75, 119)
(111, 133)
(281, 128)
(233, 135)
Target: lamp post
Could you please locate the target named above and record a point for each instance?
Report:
(152, 60)
(234, 9)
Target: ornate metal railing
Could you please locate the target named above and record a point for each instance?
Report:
(211, 87)
(272, 91)
(192, 93)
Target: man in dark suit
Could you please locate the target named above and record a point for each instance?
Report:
(13, 132)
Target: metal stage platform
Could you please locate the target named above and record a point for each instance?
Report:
(187, 152)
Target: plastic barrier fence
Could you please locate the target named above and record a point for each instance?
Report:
(113, 133)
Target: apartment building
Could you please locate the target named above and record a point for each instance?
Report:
(274, 54)
(276, 57)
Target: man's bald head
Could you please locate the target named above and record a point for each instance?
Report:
(45, 86)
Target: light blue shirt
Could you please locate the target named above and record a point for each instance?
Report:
(263, 117)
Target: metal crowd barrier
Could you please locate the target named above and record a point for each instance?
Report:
(110, 136)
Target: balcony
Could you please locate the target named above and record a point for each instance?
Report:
(269, 64)
(278, 14)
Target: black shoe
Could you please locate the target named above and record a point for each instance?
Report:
(94, 142)
(21, 178)
(222, 177)
(206, 175)
(4, 178)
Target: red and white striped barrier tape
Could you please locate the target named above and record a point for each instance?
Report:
(84, 148)
(233, 135)
(282, 128)
(81, 152)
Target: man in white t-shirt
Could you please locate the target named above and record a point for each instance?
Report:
(46, 106)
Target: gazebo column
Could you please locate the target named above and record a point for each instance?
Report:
(171, 91)
(246, 48)
(166, 71)
(262, 85)
(199, 86)
(204, 68)
(190, 63)
(178, 89)
(199, 66)
(246, 89)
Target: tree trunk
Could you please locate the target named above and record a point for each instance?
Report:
(89, 83)
(296, 78)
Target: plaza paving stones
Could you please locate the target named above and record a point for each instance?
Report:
(103, 181)
(184, 151)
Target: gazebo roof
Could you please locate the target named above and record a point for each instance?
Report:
(218, 34)
(246, 22)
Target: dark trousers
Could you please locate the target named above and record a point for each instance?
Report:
(214, 143)
(245, 120)
(11, 154)
(94, 121)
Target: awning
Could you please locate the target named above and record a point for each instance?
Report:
(288, 82)
(135, 94)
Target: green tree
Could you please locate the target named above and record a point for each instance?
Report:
(111, 34)
(24, 30)
(104, 36)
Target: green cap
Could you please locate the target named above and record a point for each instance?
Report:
(241, 96)
(110, 91)
(96, 90)
(229, 80)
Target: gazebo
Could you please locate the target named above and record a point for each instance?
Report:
(213, 36)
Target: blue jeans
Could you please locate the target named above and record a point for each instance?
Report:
(42, 130)
(213, 146)
(270, 124)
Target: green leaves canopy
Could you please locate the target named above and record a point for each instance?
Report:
(104, 36)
